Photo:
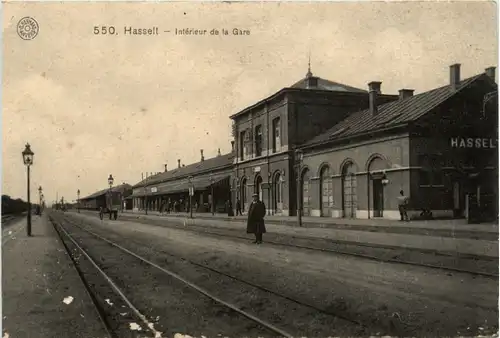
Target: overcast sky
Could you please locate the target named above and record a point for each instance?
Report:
(94, 105)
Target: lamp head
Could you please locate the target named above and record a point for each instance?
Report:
(28, 155)
(385, 180)
(300, 154)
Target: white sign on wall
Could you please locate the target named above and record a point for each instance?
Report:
(154, 189)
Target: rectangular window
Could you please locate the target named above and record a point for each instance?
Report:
(276, 135)
(258, 141)
(242, 145)
(431, 174)
(248, 143)
(437, 172)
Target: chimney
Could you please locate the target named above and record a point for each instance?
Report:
(178, 163)
(218, 152)
(166, 167)
(147, 175)
(232, 146)
(490, 71)
(405, 93)
(202, 157)
(454, 76)
(374, 91)
(142, 175)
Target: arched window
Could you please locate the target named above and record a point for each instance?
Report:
(258, 186)
(349, 190)
(306, 199)
(277, 192)
(326, 193)
(243, 193)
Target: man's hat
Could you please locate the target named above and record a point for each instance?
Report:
(254, 195)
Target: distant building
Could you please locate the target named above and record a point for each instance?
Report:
(207, 176)
(97, 199)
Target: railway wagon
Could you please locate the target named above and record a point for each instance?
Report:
(89, 204)
(109, 204)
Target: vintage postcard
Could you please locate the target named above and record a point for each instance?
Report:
(249, 169)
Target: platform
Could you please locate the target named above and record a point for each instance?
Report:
(43, 295)
(429, 242)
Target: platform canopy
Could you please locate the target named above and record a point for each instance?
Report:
(120, 188)
(201, 182)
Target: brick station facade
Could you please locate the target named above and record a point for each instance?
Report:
(267, 132)
(414, 144)
(360, 149)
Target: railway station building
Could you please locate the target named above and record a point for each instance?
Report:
(267, 133)
(439, 147)
(209, 179)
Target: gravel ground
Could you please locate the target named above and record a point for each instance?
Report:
(170, 305)
(463, 262)
(459, 233)
(388, 298)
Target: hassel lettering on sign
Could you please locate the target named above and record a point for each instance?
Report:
(478, 143)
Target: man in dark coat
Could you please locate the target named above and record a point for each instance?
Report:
(255, 223)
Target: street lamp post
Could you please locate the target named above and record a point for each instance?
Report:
(28, 161)
(212, 206)
(191, 193)
(110, 183)
(110, 193)
(78, 200)
(40, 200)
(145, 200)
(298, 158)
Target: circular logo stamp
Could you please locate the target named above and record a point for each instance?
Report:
(27, 28)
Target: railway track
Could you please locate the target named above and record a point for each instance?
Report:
(269, 327)
(360, 250)
(9, 219)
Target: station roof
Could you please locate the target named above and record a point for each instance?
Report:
(119, 188)
(322, 85)
(210, 164)
(182, 185)
(394, 113)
